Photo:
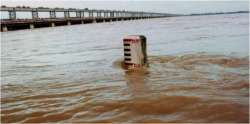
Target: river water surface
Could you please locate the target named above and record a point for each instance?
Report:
(198, 72)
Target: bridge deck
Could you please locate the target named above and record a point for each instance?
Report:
(10, 24)
(93, 16)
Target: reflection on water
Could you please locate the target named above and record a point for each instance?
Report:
(136, 81)
(65, 75)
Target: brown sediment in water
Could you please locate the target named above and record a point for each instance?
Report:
(192, 59)
(187, 88)
(220, 112)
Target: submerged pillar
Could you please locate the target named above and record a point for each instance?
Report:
(52, 14)
(82, 14)
(34, 14)
(91, 15)
(66, 14)
(78, 14)
(12, 14)
(68, 23)
(32, 26)
(4, 28)
(53, 24)
(135, 51)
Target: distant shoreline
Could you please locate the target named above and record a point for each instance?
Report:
(217, 13)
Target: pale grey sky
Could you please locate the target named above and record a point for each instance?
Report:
(178, 7)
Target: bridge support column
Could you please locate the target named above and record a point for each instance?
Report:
(66, 14)
(68, 23)
(4, 28)
(78, 14)
(32, 26)
(98, 13)
(91, 15)
(82, 14)
(94, 21)
(105, 14)
(12, 14)
(53, 24)
(112, 14)
(82, 22)
(34, 14)
(52, 14)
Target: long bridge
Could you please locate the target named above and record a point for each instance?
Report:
(68, 17)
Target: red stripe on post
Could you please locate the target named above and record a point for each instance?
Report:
(131, 40)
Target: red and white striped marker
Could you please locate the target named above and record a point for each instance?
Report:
(135, 55)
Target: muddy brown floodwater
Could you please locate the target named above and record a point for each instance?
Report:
(67, 74)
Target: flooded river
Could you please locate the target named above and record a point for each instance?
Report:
(198, 72)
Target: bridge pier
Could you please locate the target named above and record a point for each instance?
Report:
(82, 22)
(66, 14)
(99, 14)
(82, 14)
(68, 23)
(52, 14)
(53, 24)
(34, 14)
(112, 14)
(32, 26)
(4, 28)
(91, 14)
(12, 14)
(78, 14)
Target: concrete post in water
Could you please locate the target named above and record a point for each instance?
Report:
(32, 26)
(4, 28)
(135, 55)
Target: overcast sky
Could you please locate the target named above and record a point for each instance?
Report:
(178, 7)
